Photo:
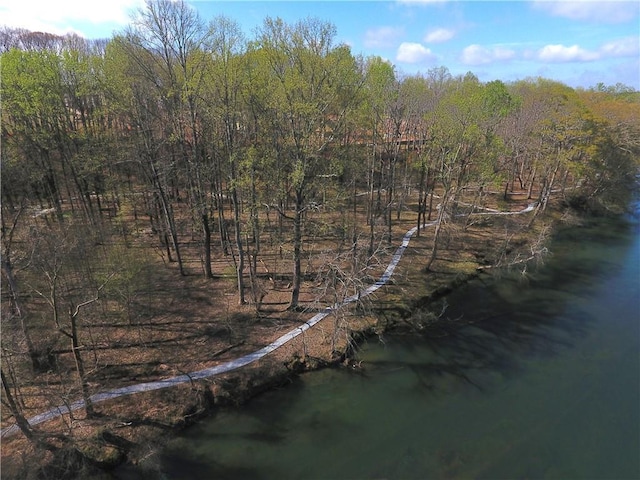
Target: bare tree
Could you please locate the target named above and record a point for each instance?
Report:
(69, 286)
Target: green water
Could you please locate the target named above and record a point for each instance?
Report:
(542, 381)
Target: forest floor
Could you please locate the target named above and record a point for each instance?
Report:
(180, 324)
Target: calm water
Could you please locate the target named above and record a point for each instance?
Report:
(542, 382)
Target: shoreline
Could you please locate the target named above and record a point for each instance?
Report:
(251, 357)
(198, 396)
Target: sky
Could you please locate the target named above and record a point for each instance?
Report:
(579, 43)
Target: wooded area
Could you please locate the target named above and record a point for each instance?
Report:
(180, 148)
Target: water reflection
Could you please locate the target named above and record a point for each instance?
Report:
(526, 379)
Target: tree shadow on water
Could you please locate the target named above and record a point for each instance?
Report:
(177, 466)
(474, 349)
(182, 465)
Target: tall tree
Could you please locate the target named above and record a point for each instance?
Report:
(613, 150)
(32, 111)
(225, 114)
(68, 285)
(380, 91)
(561, 137)
(163, 47)
(308, 93)
(464, 142)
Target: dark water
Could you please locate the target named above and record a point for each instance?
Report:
(542, 380)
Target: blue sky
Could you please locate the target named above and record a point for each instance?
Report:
(579, 43)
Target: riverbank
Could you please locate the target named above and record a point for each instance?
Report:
(132, 428)
(532, 376)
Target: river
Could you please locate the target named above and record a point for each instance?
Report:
(541, 379)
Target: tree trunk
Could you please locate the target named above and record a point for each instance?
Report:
(422, 198)
(168, 217)
(206, 232)
(297, 250)
(21, 421)
(75, 348)
(239, 246)
(533, 179)
(438, 230)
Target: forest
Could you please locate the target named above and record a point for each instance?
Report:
(183, 169)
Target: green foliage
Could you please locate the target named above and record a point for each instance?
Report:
(31, 94)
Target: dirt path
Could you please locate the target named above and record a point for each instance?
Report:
(246, 359)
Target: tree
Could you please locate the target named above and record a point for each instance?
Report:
(308, 105)
(561, 138)
(164, 51)
(464, 143)
(380, 83)
(613, 148)
(10, 221)
(225, 113)
(429, 91)
(69, 286)
(138, 106)
(30, 122)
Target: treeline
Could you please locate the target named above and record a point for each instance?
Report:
(207, 139)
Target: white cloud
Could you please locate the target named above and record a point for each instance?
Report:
(624, 47)
(620, 48)
(65, 15)
(591, 10)
(382, 36)
(439, 35)
(479, 55)
(562, 54)
(413, 53)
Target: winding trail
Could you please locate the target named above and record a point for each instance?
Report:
(246, 359)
